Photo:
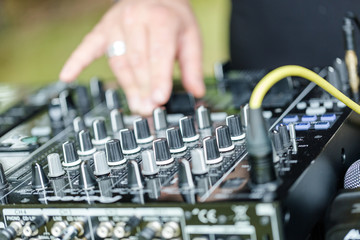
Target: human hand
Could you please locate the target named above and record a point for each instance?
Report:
(155, 33)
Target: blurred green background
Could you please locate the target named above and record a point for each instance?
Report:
(37, 36)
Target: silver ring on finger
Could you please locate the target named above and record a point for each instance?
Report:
(117, 48)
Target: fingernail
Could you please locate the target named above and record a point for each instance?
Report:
(159, 97)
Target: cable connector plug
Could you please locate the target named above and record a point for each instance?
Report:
(259, 149)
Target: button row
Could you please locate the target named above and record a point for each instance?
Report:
(304, 126)
(330, 117)
(313, 105)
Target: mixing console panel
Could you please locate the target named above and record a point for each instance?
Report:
(84, 169)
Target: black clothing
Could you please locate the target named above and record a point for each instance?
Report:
(270, 33)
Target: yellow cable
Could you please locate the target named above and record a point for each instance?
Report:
(276, 75)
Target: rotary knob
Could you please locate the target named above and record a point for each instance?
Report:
(223, 139)
(55, 115)
(184, 175)
(78, 124)
(100, 134)
(187, 128)
(87, 179)
(128, 142)
(112, 99)
(86, 146)
(198, 162)
(176, 143)
(97, 90)
(203, 117)
(82, 100)
(235, 127)
(292, 133)
(211, 151)
(162, 152)
(114, 153)
(149, 166)
(135, 179)
(277, 142)
(71, 158)
(142, 131)
(3, 181)
(54, 164)
(68, 109)
(244, 113)
(39, 179)
(159, 118)
(117, 120)
(284, 133)
(341, 68)
(100, 163)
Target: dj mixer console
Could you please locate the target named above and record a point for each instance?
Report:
(84, 169)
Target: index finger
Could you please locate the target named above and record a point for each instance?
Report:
(92, 47)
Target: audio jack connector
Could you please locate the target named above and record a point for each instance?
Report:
(31, 228)
(351, 59)
(259, 148)
(75, 229)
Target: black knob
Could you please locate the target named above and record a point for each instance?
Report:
(112, 99)
(277, 142)
(71, 158)
(87, 179)
(100, 164)
(97, 90)
(8, 233)
(68, 109)
(159, 118)
(86, 146)
(149, 166)
(83, 102)
(203, 117)
(142, 131)
(117, 120)
(184, 175)
(128, 142)
(135, 179)
(79, 124)
(187, 128)
(114, 153)
(176, 143)
(224, 139)
(235, 127)
(3, 181)
(54, 165)
(100, 134)
(211, 150)
(284, 133)
(39, 179)
(162, 152)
